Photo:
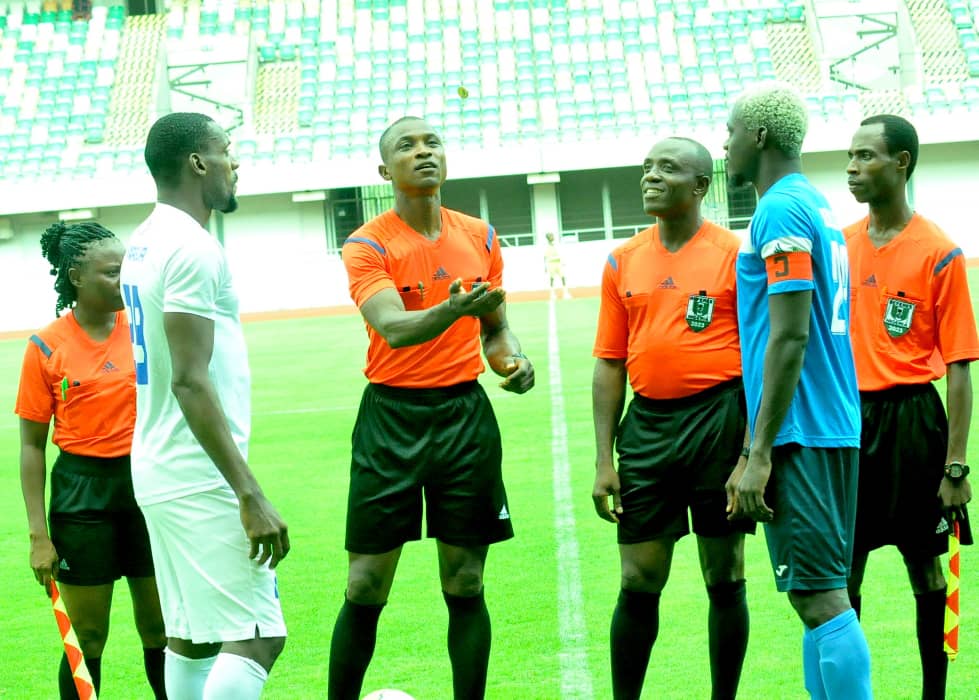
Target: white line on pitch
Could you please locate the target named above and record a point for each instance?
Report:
(575, 671)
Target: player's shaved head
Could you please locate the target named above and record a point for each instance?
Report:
(172, 138)
(384, 142)
(696, 155)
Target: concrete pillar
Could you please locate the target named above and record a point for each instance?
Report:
(544, 205)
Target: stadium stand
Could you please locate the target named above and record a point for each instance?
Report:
(327, 76)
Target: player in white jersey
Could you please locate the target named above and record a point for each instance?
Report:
(215, 537)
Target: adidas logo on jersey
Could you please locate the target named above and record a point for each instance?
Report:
(109, 367)
(63, 565)
(870, 281)
(504, 513)
(668, 283)
(440, 274)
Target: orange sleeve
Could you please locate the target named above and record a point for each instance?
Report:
(785, 267)
(612, 339)
(364, 259)
(956, 327)
(34, 399)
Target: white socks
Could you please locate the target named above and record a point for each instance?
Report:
(233, 677)
(221, 677)
(185, 678)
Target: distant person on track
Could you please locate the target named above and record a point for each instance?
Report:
(554, 267)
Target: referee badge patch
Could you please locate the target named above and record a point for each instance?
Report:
(897, 316)
(700, 311)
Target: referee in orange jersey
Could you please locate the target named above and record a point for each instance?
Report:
(427, 281)
(912, 322)
(668, 324)
(79, 370)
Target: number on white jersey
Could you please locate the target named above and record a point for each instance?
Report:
(130, 295)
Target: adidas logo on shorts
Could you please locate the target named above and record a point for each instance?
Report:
(504, 513)
(942, 527)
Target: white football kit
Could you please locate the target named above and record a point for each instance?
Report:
(209, 589)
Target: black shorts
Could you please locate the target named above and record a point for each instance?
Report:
(903, 444)
(443, 443)
(677, 454)
(96, 526)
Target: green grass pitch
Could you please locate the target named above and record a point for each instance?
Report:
(307, 383)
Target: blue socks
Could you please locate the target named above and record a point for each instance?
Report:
(836, 660)
(810, 666)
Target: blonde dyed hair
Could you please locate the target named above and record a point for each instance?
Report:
(781, 110)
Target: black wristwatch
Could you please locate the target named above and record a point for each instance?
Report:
(956, 471)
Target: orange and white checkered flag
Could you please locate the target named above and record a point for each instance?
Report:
(952, 599)
(79, 671)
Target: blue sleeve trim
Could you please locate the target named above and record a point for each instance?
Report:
(611, 261)
(947, 259)
(373, 244)
(36, 339)
(490, 235)
(791, 286)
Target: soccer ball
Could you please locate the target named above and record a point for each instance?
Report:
(388, 694)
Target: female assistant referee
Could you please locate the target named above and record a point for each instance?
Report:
(80, 370)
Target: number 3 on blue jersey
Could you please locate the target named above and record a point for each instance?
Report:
(841, 276)
(134, 309)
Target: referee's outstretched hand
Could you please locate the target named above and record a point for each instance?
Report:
(268, 534)
(478, 302)
(517, 370)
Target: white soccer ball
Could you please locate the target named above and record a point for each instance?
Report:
(388, 694)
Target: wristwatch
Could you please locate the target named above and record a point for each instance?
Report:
(956, 471)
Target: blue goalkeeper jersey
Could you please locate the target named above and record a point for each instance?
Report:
(794, 245)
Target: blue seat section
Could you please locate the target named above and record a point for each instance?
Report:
(56, 78)
(330, 75)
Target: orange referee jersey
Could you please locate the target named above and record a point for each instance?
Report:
(387, 253)
(911, 313)
(672, 316)
(89, 387)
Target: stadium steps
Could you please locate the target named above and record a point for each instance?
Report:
(965, 17)
(134, 90)
(794, 56)
(884, 102)
(276, 98)
(942, 58)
